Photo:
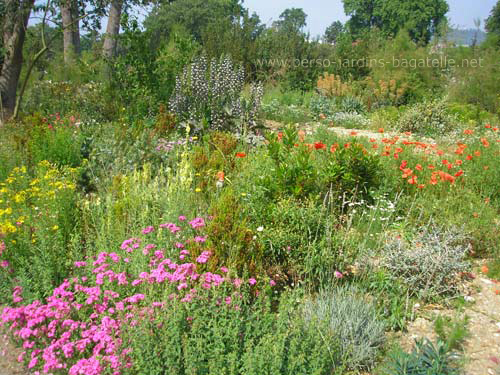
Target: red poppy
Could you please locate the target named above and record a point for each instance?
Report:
(418, 167)
(485, 142)
(413, 180)
(380, 130)
(319, 146)
(468, 131)
(240, 155)
(421, 186)
(487, 126)
(334, 147)
(469, 157)
(459, 173)
(353, 133)
(403, 165)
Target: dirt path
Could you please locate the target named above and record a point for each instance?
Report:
(482, 347)
(8, 358)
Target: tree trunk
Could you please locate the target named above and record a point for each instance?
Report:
(112, 29)
(75, 13)
(71, 30)
(14, 31)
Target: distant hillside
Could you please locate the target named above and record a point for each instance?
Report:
(466, 36)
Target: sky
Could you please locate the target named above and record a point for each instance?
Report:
(321, 13)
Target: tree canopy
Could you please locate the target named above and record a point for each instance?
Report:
(420, 18)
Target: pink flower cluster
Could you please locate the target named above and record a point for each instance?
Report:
(78, 329)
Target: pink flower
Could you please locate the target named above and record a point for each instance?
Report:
(224, 269)
(197, 223)
(203, 258)
(338, 274)
(272, 283)
(148, 230)
(252, 281)
(182, 218)
(237, 282)
(228, 300)
(33, 362)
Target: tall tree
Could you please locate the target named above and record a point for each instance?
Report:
(292, 20)
(421, 18)
(14, 22)
(493, 21)
(333, 32)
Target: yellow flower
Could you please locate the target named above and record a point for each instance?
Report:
(197, 190)
(55, 227)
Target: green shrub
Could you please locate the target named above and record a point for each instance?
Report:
(427, 118)
(321, 106)
(425, 359)
(351, 104)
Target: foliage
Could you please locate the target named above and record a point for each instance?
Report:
(422, 19)
(351, 104)
(333, 32)
(427, 118)
(493, 21)
(210, 96)
(332, 86)
(425, 359)
(37, 220)
(431, 263)
(353, 320)
(307, 169)
(452, 332)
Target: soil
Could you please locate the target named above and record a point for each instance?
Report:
(482, 346)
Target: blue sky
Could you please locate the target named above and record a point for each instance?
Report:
(321, 13)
